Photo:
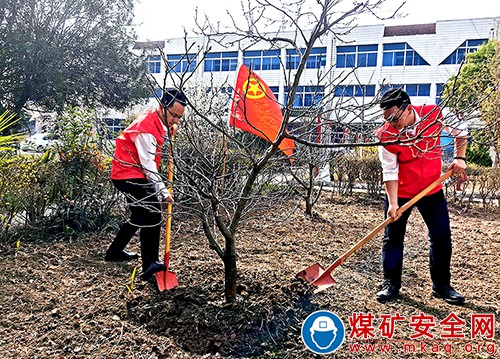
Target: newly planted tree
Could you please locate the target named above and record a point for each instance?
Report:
(224, 176)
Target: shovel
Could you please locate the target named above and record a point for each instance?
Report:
(166, 279)
(322, 279)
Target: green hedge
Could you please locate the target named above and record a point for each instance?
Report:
(62, 192)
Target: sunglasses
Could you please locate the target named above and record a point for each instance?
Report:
(394, 117)
(174, 115)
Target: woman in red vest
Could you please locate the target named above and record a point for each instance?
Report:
(134, 172)
(411, 160)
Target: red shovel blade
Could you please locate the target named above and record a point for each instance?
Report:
(316, 275)
(166, 280)
(323, 282)
(311, 273)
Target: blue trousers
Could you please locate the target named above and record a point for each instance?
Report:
(434, 211)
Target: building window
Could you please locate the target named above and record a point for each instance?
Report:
(355, 91)
(306, 96)
(439, 93)
(276, 91)
(401, 54)
(221, 61)
(154, 64)
(316, 60)
(262, 60)
(411, 89)
(357, 56)
(115, 126)
(181, 63)
(157, 94)
(457, 56)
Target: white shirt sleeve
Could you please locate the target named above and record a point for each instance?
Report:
(456, 127)
(146, 149)
(390, 166)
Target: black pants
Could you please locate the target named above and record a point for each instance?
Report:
(145, 212)
(434, 211)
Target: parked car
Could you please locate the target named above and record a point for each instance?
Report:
(39, 142)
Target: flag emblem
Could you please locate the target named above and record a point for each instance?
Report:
(253, 89)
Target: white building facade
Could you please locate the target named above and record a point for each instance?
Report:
(364, 62)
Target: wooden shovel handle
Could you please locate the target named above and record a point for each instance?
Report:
(424, 192)
(382, 225)
(168, 226)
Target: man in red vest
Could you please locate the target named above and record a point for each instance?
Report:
(134, 172)
(411, 160)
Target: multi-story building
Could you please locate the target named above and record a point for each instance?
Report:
(364, 61)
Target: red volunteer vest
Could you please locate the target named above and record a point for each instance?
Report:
(125, 163)
(419, 160)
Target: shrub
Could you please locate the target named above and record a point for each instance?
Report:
(64, 191)
(80, 184)
(371, 174)
(23, 197)
(477, 152)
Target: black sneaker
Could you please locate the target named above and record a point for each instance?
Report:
(120, 256)
(388, 293)
(449, 295)
(152, 269)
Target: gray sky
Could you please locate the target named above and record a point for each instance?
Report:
(156, 20)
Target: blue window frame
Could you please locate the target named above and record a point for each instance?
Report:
(316, 59)
(439, 93)
(355, 91)
(158, 93)
(468, 46)
(411, 89)
(401, 54)
(181, 62)
(276, 91)
(418, 89)
(357, 56)
(306, 96)
(153, 63)
(292, 59)
(262, 60)
(221, 61)
(115, 126)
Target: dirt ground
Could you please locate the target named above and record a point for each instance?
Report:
(59, 299)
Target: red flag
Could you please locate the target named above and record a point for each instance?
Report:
(256, 110)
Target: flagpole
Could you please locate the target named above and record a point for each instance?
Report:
(224, 164)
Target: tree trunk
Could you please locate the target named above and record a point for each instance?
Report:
(309, 206)
(230, 276)
(230, 270)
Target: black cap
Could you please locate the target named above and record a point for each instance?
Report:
(395, 97)
(170, 95)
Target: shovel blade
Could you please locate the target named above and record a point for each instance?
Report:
(316, 275)
(166, 280)
(311, 273)
(323, 282)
